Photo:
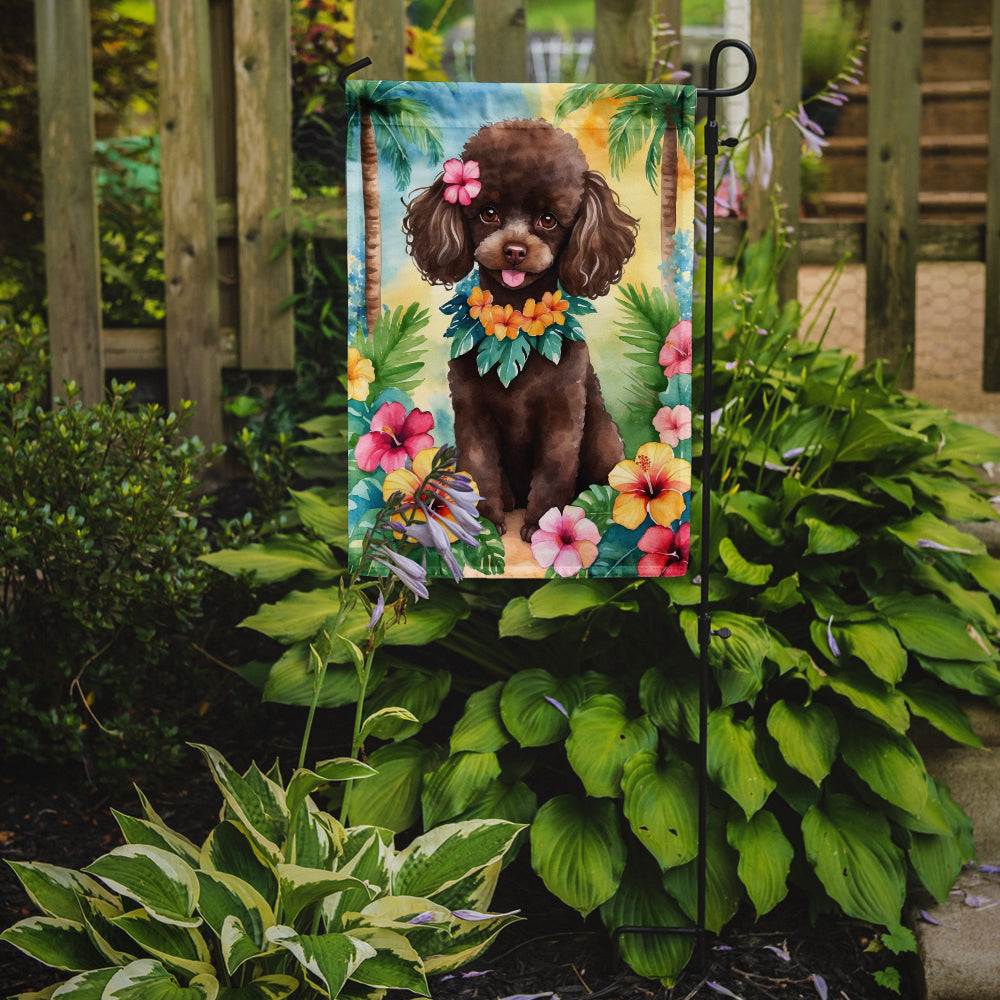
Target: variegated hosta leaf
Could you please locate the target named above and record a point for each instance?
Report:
(850, 847)
(642, 902)
(395, 964)
(661, 799)
(367, 853)
(141, 831)
(230, 849)
(304, 782)
(329, 959)
(765, 858)
(147, 979)
(158, 880)
(602, 737)
(116, 946)
(467, 941)
(481, 727)
(177, 947)
(300, 887)
(441, 857)
(475, 891)
(56, 891)
(315, 838)
(807, 736)
(256, 801)
(54, 941)
(578, 851)
(275, 987)
(87, 986)
(224, 898)
(732, 760)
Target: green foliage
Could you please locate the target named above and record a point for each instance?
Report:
(279, 899)
(101, 587)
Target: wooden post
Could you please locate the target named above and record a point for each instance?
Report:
(622, 40)
(991, 333)
(667, 14)
(190, 254)
(262, 61)
(72, 256)
(380, 34)
(776, 35)
(501, 37)
(893, 183)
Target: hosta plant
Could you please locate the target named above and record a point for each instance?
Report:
(279, 900)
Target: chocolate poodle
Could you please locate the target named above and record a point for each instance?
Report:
(540, 220)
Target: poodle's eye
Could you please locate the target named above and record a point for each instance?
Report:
(547, 220)
(489, 214)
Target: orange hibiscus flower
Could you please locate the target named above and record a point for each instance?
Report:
(502, 321)
(479, 301)
(654, 484)
(360, 374)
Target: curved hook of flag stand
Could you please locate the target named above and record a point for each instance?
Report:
(705, 631)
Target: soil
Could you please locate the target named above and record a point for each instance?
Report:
(551, 952)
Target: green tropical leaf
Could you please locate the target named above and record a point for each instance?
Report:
(456, 784)
(602, 738)
(850, 848)
(807, 736)
(888, 763)
(395, 349)
(535, 706)
(732, 760)
(661, 807)
(391, 798)
(738, 569)
(577, 850)
(930, 627)
(481, 728)
(280, 557)
(671, 700)
(765, 858)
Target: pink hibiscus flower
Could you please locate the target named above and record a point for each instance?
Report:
(666, 551)
(567, 542)
(461, 181)
(674, 424)
(675, 355)
(395, 436)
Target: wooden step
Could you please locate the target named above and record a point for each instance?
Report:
(958, 206)
(956, 53)
(945, 12)
(947, 106)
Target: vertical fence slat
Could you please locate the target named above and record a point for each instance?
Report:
(668, 13)
(261, 58)
(893, 183)
(621, 40)
(776, 35)
(380, 34)
(991, 332)
(501, 36)
(190, 253)
(72, 257)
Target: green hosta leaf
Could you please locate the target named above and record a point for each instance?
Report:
(602, 738)
(986, 572)
(481, 728)
(738, 569)
(391, 798)
(260, 809)
(760, 512)
(388, 722)
(56, 891)
(527, 711)
(783, 595)
(515, 803)
(559, 598)
(301, 887)
(438, 859)
(163, 884)
(54, 941)
(180, 948)
(941, 709)
(723, 889)
(850, 847)
(807, 736)
(147, 979)
(225, 897)
(395, 964)
(732, 760)
(517, 620)
(641, 901)
(275, 987)
(828, 539)
(418, 690)
(937, 859)
(230, 849)
(765, 858)
(957, 501)
(671, 700)
(292, 680)
(866, 692)
(141, 831)
(661, 798)
(279, 558)
(931, 628)
(976, 678)
(456, 784)
(328, 520)
(870, 436)
(928, 528)
(330, 959)
(578, 851)
(888, 763)
(965, 443)
(876, 646)
(738, 662)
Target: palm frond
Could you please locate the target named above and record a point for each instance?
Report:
(395, 349)
(579, 96)
(648, 318)
(628, 129)
(391, 146)
(655, 153)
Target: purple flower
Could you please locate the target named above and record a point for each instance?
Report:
(559, 705)
(410, 573)
(377, 612)
(811, 132)
(820, 983)
(427, 917)
(834, 648)
(760, 166)
(927, 543)
(475, 915)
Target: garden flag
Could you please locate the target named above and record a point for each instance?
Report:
(520, 263)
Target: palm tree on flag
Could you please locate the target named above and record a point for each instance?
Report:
(390, 120)
(646, 113)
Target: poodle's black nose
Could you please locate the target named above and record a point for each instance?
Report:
(514, 253)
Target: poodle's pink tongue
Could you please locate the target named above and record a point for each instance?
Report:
(512, 278)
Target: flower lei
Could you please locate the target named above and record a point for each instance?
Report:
(504, 337)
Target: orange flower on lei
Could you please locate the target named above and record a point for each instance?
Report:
(501, 322)
(507, 322)
(479, 303)
(654, 484)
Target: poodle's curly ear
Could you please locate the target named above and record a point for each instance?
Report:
(602, 240)
(437, 237)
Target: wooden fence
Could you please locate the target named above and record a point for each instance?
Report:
(226, 161)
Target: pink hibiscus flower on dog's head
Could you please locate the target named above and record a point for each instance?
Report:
(675, 355)
(461, 181)
(395, 436)
(567, 542)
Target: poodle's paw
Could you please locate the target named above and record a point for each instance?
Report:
(527, 530)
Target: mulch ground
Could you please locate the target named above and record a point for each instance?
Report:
(551, 953)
